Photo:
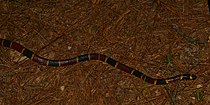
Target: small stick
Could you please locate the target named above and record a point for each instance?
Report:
(184, 35)
(171, 94)
(209, 6)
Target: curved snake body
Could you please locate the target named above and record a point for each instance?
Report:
(93, 56)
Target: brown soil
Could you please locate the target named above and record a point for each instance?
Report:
(159, 38)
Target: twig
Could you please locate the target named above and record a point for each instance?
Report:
(171, 94)
(184, 35)
(209, 6)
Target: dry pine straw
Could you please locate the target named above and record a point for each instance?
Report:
(138, 33)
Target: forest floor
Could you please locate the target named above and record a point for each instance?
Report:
(161, 38)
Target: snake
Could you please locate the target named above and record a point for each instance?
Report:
(89, 57)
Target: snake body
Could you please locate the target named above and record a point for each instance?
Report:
(93, 56)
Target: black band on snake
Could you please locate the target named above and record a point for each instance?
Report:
(93, 56)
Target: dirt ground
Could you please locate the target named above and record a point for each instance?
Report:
(161, 38)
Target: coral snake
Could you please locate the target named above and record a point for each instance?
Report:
(93, 56)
